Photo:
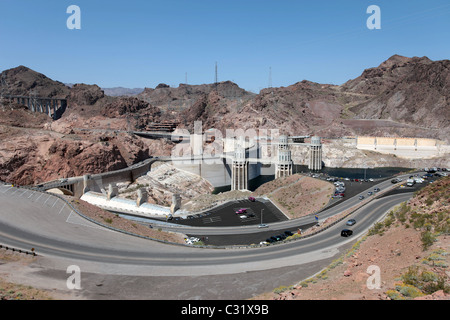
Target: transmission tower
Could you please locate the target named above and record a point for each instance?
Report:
(215, 79)
(270, 77)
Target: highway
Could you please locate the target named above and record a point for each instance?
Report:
(31, 219)
(294, 223)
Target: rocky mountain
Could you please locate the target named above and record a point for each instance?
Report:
(185, 95)
(400, 97)
(408, 90)
(24, 81)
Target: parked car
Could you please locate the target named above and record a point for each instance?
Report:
(288, 233)
(351, 222)
(346, 233)
(252, 199)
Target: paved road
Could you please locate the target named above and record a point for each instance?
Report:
(29, 219)
(151, 270)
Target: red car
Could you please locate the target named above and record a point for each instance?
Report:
(241, 211)
(252, 199)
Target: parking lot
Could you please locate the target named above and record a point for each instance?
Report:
(226, 216)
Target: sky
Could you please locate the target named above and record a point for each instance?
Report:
(137, 44)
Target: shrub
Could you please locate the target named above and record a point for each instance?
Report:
(108, 220)
(394, 295)
(427, 239)
(409, 291)
(376, 229)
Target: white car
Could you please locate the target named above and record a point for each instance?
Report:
(191, 240)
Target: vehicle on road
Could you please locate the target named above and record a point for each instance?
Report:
(263, 226)
(351, 222)
(376, 189)
(361, 197)
(369, 193)
(346, 233)
(252, 199)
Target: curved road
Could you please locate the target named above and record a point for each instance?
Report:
(30, 219)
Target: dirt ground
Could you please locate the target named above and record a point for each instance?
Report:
(347, 278)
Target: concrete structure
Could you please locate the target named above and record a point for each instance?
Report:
(283, 167)
(53, 107)
(408, 148)
(142, 197)
(239, 170)
(112, 192)
(315, 154)
(176, 203)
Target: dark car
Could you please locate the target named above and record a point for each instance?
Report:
(346, 233)
(288, 233)
(281, 237)
(394, 180)
(376, 189)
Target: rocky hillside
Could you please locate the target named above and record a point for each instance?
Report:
(185, 95)
(410, 247)
(35, 149)
(27, 82)
(401, 97)
(408, 90)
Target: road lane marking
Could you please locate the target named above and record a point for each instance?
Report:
(7, 189)
(62, 208)
(47, 199)
(39, 196)
(55, 202)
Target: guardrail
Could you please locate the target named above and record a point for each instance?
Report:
(18, 250)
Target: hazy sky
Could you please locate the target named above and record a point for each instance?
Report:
(144, 43)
